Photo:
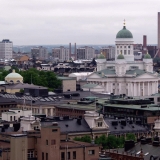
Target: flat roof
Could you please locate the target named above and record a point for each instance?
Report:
(149, 107)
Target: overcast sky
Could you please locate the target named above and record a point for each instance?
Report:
(35, 22)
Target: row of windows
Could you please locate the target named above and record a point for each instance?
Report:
(53, 142)
(125, 52)
(124, 46)
(68, 155)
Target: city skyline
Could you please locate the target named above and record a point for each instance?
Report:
(83, 22)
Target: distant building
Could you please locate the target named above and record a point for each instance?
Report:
(40, 53)
(108, 52)
(6, 49)
(61, 53)
(85, 53)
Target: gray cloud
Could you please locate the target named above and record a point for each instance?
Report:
(81, 21)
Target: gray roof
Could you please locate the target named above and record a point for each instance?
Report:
(70, 126)
(126, 129)
(22, 86)
(136, 72)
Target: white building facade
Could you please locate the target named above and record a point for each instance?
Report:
(124, 75)
(6, 49)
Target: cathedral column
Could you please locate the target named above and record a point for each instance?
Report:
(139, 89)
(156, 86)
(111, 84)
(153, 89)
(143, 89)
(46, 112)
(129, 89)
(51, 111)
(120, 88)
(148, 89)
(107, 86)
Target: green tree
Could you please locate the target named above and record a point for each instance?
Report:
(130, 136)
(83, 139)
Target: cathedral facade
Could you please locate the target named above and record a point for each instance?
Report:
(124, 75)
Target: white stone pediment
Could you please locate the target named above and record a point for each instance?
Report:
(94, 75)
(146, 75)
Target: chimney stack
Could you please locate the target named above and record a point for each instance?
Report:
(144, 44)
(69, 50)
(75, 51)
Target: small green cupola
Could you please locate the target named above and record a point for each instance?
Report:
(147, 56)
(120, 56)
(101, 56)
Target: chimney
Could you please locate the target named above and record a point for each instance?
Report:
(144, 44)
(69, 50)
(75, 51)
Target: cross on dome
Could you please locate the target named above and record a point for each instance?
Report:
(124, 22)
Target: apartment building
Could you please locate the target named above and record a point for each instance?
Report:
(85, 53)
(40, 53)
(61, 53)
(108, 52)
(6, 49)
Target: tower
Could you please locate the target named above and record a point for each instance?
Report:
(124, 44)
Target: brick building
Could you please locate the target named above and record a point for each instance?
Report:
(45, 145)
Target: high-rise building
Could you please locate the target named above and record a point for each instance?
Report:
(6, 49)
(108, 52)
(61, 53)
(40, 53)
(85, 53)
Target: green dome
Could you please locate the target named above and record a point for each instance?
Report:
(124, 33)
(120, 56)
(101, 56)
(147, 56)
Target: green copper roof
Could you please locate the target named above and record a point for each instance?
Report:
(120, 56)
(147, 56)
(101, 56)
(124, 33)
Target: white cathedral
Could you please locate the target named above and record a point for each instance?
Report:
(124, 75)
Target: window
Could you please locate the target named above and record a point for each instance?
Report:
(42, 155)
(99, 124)
(10, 118)
(129, 47)
(46, 142)
(69, 156)
(14, 118)
(54, 130)
(30, 154)
(53, 142)
(125, 52)
(46, 156)
(62, 155)
(74, 154)
(129, 52)
(91, 152)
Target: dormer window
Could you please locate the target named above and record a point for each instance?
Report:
(99, 124)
